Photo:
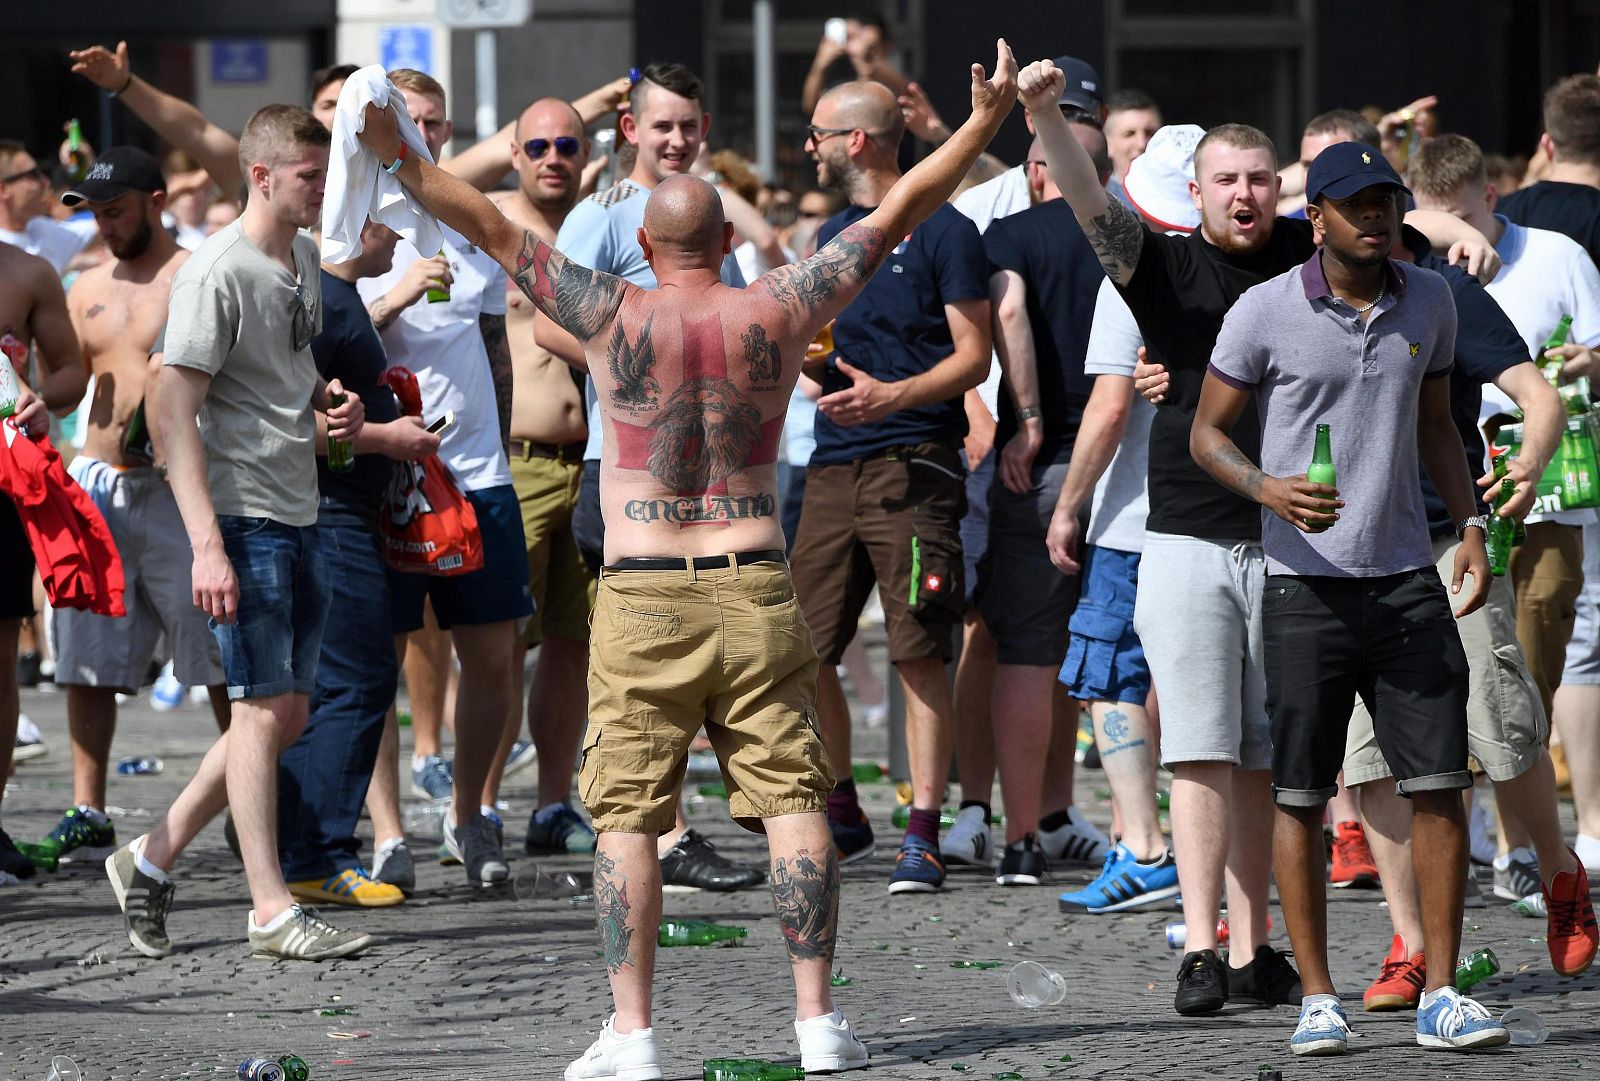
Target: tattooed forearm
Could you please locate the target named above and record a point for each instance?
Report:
(1233, 470)
(761, 356)
(581, 300)
(612, 909)
(703, 434)
(702, 509)
(849, 259)
(1117, 237)
(498, 346)
(632, 366)
(805, 891)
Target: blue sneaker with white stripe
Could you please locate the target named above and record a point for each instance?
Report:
(1451, 1020)
(1323, 1029)
(1125, 883)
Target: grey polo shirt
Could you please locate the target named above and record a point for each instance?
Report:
(1310, 359)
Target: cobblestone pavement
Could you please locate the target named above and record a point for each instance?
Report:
(472, 985)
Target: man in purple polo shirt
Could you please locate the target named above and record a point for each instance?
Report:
(1352, 603)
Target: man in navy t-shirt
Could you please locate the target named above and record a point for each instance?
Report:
(884, 490)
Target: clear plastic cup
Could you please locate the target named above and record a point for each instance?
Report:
(532, 884)
(1033, 986)
(1525, 1025)
(63, 1068)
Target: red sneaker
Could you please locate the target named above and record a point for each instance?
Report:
(1399, 984)
(1572, 933)
(1352, 859)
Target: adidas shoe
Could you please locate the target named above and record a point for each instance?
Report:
(1125, 883)
(304, 936)
(1400, 981)
(1077, 840)
(1516, 875)
(1022, 864)
(352, 886)
(695, 864)
(432, 779)
(1323, 1029)
(145, 901)
(1449, 1019)
(968, 841)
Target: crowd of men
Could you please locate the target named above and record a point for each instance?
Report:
(701, 425)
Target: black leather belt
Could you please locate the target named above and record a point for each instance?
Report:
(701, 563)
(527, 449)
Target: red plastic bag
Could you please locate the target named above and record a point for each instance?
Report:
(426, 524)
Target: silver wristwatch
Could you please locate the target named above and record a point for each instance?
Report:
(1479, 520)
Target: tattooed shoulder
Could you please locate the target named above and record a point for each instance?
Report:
(762, 359)
(633, 367)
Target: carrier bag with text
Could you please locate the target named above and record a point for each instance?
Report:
(427, 525)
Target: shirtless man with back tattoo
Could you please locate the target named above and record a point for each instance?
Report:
(696, 620)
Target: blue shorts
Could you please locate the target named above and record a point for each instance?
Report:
(498, 593)
(272, 647)
(1105, 660)
(975, 523)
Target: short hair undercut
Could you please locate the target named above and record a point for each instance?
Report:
(1344, 122)
(276, 134)
(1239, 137)
(1572, 118)
(674, 78)
(1442, 164)
(1130, 99)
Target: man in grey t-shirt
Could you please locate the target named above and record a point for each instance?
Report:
(235, 412)
(1352, 603)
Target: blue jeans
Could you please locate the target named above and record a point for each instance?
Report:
(272, 647)
(323, 778)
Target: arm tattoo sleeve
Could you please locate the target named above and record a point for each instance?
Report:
(1118, 238)
(581, 300)
(612, 909)
(498, 346)
(849, 259)
(633, 367)
(805, 891)
(1234, 471)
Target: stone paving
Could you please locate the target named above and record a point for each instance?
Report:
(481, 985)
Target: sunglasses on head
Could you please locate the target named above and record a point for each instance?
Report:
(565, 145)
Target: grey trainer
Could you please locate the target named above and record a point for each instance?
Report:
(394, 866)
(145, 902)
(305, 936)
(476, 844)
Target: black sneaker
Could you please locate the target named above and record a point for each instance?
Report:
(28, 665)
(694, 864)
(13, 862)
(1022, 863)
(1202, 983)
(1268, 978)
(852, 843)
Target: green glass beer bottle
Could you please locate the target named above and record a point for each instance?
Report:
(294, 1068)
(749, 1069)
(1557, 338)
(1502, 531)
(1479, 966)
(1322, 470)
(697, 933)
(341, 455)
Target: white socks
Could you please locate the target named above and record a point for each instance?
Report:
(144, 865)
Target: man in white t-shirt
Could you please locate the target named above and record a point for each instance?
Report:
(457, 349)
(24, 211)
(1543, 276)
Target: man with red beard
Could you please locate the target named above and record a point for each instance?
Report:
(119, 310)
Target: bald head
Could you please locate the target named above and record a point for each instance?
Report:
(866, 105)
(683, 217)
(549, 117)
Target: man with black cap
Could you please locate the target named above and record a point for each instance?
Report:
(1353, 345)
(119, 310)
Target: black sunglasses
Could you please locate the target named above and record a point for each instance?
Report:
(304, 324)
(36, 173)
(565, 145)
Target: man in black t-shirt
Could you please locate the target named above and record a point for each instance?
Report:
(1198, 610)
(1567, 200)
(1044, 278)
(323, 776)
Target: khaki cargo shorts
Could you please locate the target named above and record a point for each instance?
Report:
(1507, 729)
(672, 651)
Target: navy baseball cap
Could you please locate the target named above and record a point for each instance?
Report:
(1343, 169)
(118, 171)
(1083, 84)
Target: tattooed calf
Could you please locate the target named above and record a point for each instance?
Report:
(806, 896)
(611, 910)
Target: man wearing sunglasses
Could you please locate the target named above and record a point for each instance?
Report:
(237, 394)
(25, 211)
(548, 430)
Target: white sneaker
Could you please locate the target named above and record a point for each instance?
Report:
(1480, 846)
(618, 1058)
(1079, 841)
(827, 1045)
(969, 840)
(30, 742)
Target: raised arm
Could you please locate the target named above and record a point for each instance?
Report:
(819, 288)
(580, 300)
(1114, 231)
(174, 119)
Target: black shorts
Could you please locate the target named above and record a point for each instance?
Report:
(16, 564)
(1393, 641)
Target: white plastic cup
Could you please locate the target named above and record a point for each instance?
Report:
(1033, 986)
(1525, 1025)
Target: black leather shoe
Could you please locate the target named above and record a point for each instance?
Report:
(1202, 983)
(694, 864)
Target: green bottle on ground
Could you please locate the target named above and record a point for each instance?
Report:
(697, 933)
(750, 1069)
(294, 1068)
(1321, 470)
(1479, 966)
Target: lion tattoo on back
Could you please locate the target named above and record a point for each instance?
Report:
(703, 434)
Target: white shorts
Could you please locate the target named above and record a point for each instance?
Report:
(98, 651)
(1198, 615)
